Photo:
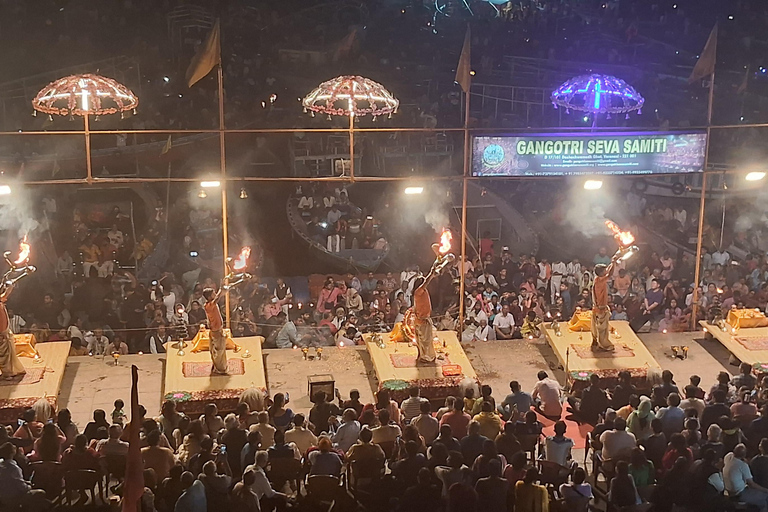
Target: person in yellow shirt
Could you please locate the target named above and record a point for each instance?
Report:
(490, 422)
(624, 412)
(529, 496)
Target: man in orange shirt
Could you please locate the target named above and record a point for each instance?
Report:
(422, 309)
(10, 364)
(601, 313)
(218, 343)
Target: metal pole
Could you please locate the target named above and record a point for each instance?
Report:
(351, 147)
(462, 279)
(88, 168)
(697, 267)
(223, 163)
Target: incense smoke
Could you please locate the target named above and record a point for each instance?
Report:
(15, 214)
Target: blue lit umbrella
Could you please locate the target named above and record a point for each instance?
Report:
(598, 94)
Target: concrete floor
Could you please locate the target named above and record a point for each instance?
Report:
(91, 383)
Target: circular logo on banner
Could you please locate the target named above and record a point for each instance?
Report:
(493, 155)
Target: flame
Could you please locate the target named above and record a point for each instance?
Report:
(445, 242)
(23, 252)
(719, 290)
(625, 238)
(242, 260)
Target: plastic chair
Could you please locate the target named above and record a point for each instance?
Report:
(553, 474)
(323, 490)
(114, 466)
(388, 447)
(48, 476)
(286, 469)
(82, 480)
(369, 470)
(529, 444)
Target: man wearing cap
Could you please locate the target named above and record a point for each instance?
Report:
(601, 313)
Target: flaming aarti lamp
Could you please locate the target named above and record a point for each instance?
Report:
(626, 241)
(18, 268)
(236, 273)
(443, 256)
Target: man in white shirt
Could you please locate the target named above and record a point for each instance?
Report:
(15, 322)
(691, 402)
(738, 480)
(387, 432)
(411, 406)
(302, 437)
(720, 257)
(548, 392)
(484, 332)
(558, 447)
(617, 442)
(426, 424)
(262, 486)
(346, 434)
(504, 324)
(573, 271)
(559, 270)
(96, 341)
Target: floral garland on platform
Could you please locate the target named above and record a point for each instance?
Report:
(394, 385)
(202, 396)
(612, 373)
(760, 368)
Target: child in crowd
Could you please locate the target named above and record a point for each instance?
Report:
(118, 414)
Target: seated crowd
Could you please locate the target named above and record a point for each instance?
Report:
(695, 450)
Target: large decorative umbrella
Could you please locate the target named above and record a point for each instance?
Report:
(85, 95)
(352, 96)
(598, 94)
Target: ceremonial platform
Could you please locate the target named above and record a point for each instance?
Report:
(189, 382)
(42, 380)
(573, 348)
(744, 333)
(395, 367)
